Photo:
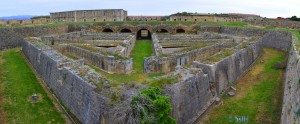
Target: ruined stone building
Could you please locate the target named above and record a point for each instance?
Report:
(207, 17)
(146, 18)
(89, 15)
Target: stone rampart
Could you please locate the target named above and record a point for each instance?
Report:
(106, 63)
(158, 64)
(291, 96)
(64, 77)
(13, 37)
(191, 96)
(276, 23)
(232, 67)
(9, 39)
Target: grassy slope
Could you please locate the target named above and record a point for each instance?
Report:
(259, 94)
(19, 84)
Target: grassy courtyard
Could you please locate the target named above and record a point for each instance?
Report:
(142, 48)
(259, 94)
(17, 85)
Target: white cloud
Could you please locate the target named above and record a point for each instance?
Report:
(265, 8)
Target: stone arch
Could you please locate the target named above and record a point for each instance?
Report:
(148, 27)
(162, 30)
(143, 34)
(107, 30)
(180, 30)
(125, 30)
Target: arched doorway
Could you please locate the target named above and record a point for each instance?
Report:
(107, 30)
(162, 31)
(125, 30)
(180, 31)
(143, 34)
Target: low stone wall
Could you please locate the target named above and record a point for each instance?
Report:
(40, 31)
(231, 68)
(109, 64)
(291, 97)
(157, 64)
(9, 39)
(191, 96)
(277, 23)
(13, 37)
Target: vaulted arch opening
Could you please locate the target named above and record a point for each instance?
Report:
(143, 34)
(180, 31)
(107, 30)
(162, 31)
(125, 30)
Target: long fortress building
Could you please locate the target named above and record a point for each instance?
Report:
(89, 15)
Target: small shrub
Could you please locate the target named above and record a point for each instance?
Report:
(151, 106)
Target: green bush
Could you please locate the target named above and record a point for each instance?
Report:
(151, 106)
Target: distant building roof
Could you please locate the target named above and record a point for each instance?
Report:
(241, 14)
(87, 10)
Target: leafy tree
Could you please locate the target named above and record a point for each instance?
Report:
(294, 18)
(150, 106)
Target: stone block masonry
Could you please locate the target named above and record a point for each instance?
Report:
(291, 96)
(73, 90)
(231, 68)
(13, 37)
(9, 39)
(191, 96)
(106, 63)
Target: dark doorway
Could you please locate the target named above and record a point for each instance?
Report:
(143, 34)
(180, 31)
(125, 30)
(107, 30)
(162, 31)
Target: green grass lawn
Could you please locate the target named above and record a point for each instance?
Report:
(18, 85)
(143, 48)
(259, 94)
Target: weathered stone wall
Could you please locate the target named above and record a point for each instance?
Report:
(270, 38)
(78, 95)
(157, 64)
(40, 31)
(109, 64)
(9, 39)
(231, 68)
(291, 97)
(191, 96)
(277, 23)
(13, 37)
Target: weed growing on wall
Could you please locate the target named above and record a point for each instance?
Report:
(151, 106)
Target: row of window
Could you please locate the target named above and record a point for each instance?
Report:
(186, 19)
(95, 20)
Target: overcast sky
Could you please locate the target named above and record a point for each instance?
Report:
(265, 8)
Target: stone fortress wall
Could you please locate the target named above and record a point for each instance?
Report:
(291, 97)
(190, 97)
(276, 23)
(89, 15)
